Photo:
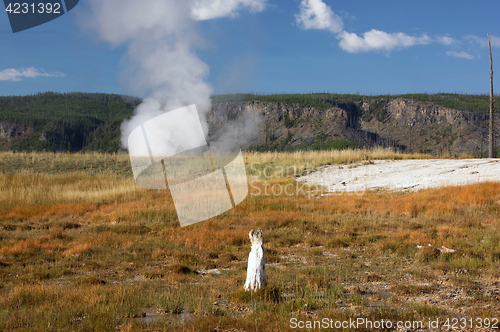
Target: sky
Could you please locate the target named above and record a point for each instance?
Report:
(202, 47)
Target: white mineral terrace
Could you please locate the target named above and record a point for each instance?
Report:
(404, 174)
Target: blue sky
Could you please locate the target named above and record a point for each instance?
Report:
(367, 47)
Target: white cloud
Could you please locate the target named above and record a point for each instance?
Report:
(210, 9)
(374, 40)
(462, 55)
(446, 40)
(315, 14)
(119, 21)
(12, 74)
(483, 42)
(161, 40)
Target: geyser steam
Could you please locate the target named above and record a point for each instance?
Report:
(161, 63)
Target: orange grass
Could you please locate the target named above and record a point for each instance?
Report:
(430, 202)
(99, 265)
(47, 211)
(32, 246)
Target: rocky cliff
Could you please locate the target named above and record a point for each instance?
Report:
(59, 122)
(10, 131)
(404, 124)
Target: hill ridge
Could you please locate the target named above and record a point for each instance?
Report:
(412, 122)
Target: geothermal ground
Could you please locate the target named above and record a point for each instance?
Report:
(404, 174)
(83, 248)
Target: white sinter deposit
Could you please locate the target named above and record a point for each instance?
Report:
(404, 174)
(256, 272)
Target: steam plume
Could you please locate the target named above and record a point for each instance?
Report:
(161, 61)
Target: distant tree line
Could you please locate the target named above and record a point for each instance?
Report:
(322, 101)
(91, 121)
(68, 121)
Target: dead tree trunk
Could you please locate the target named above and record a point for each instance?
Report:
(492, 131)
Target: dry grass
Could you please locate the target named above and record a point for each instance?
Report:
(283, 164)
(331, 156)
(93, 252)
(47, 189)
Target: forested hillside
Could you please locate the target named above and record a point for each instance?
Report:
(61, 122)
(322, 101)
(91, 121)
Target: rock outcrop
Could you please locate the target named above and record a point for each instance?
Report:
(403, 124)
(10, 131)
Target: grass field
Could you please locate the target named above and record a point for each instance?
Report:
(84, 249)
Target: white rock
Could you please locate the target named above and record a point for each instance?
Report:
(447, 250)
